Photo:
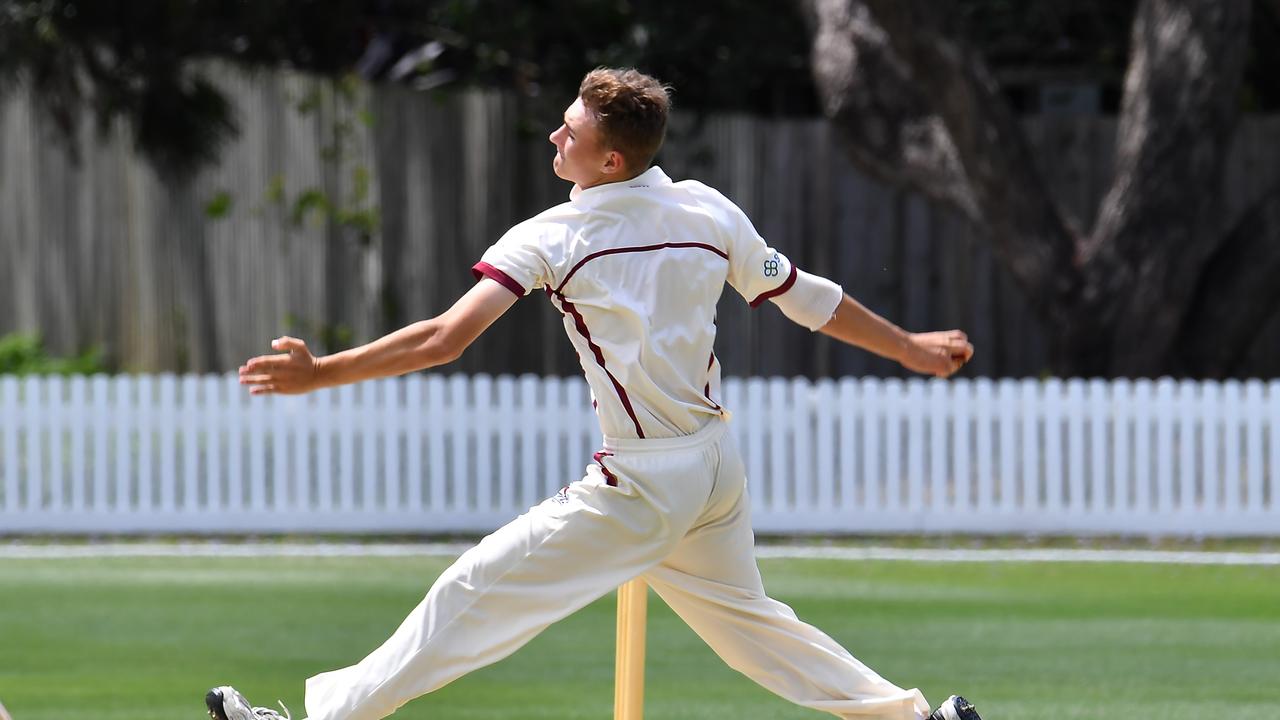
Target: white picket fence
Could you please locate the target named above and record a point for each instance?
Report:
(436, 454)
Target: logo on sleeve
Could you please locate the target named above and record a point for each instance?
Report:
(773, 266)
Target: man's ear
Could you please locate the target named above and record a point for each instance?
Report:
(614, 163)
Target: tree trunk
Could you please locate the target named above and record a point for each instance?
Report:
(1161, 220)
(1236, 295)
(917, 107)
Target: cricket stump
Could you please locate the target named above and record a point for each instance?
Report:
(628, 689)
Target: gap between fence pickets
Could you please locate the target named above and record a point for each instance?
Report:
(60, 551)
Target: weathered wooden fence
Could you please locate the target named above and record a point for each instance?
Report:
(436, 454)
(341, 212)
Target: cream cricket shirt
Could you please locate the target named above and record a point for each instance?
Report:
(636, 268)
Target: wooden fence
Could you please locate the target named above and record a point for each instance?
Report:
(341, 212)
(436, 454)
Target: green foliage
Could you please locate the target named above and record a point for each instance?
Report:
(310, 201)
(219, 206)
(365, 221)
(275, 190)
(313, 204)
(139, 60)
(22, 354)
(743, 55)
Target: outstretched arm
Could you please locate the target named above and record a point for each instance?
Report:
(423, 344)
(932, 353)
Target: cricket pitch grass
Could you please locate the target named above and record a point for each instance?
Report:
(144, 638)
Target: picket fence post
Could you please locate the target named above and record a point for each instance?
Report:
(457, 453)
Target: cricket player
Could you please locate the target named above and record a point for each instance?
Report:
(635, 263)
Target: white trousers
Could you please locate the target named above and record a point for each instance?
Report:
(673, 511)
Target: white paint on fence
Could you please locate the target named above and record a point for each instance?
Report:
(439, 454)
(60, 551)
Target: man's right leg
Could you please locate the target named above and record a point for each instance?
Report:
(544, 565)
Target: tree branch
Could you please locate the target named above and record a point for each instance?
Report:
(917, 107)
(886, 121)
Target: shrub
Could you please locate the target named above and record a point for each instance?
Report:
(22, 354)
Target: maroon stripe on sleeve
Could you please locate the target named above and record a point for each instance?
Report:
(581, 325)
(485, 270)
(791, 280)
(638, 248)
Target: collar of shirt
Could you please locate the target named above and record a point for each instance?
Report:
(652, 176)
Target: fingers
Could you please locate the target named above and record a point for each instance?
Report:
(283, 373)
(264, 363)
(951, 365)
(955, 343)
(289, 345)
(963, 354)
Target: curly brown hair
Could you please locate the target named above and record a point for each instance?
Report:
(631, 108)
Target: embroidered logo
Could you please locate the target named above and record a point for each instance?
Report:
(562, 497)
(773, 266)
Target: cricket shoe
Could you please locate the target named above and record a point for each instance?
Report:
(226, 703)
(955, 708)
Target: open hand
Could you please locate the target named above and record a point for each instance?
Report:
(939, 354)
(291, 371)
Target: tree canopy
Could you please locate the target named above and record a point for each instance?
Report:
(139, 60)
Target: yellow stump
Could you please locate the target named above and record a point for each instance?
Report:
(628, 689)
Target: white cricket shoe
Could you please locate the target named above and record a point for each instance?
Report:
(955, 708)
(226, 703)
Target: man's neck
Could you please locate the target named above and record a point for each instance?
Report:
(610, 179)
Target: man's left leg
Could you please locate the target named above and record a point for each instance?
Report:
(712, 582)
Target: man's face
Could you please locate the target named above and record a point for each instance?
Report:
(581, 156)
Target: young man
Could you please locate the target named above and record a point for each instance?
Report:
(635, 263)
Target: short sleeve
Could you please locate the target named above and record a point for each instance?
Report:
(517, 261)
(756, 271)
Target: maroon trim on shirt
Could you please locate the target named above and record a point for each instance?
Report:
(707, 390)
(609, 478)
(639, 248)
(485, 270)
(791, 280)
(581, 325)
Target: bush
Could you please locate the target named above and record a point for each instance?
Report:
(25, 355)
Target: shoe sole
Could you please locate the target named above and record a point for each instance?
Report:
(966, 709)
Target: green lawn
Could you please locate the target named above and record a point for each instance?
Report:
(142, 639)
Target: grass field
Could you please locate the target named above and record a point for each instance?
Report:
(142, 639)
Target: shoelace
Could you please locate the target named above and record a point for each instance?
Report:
(269, 714)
